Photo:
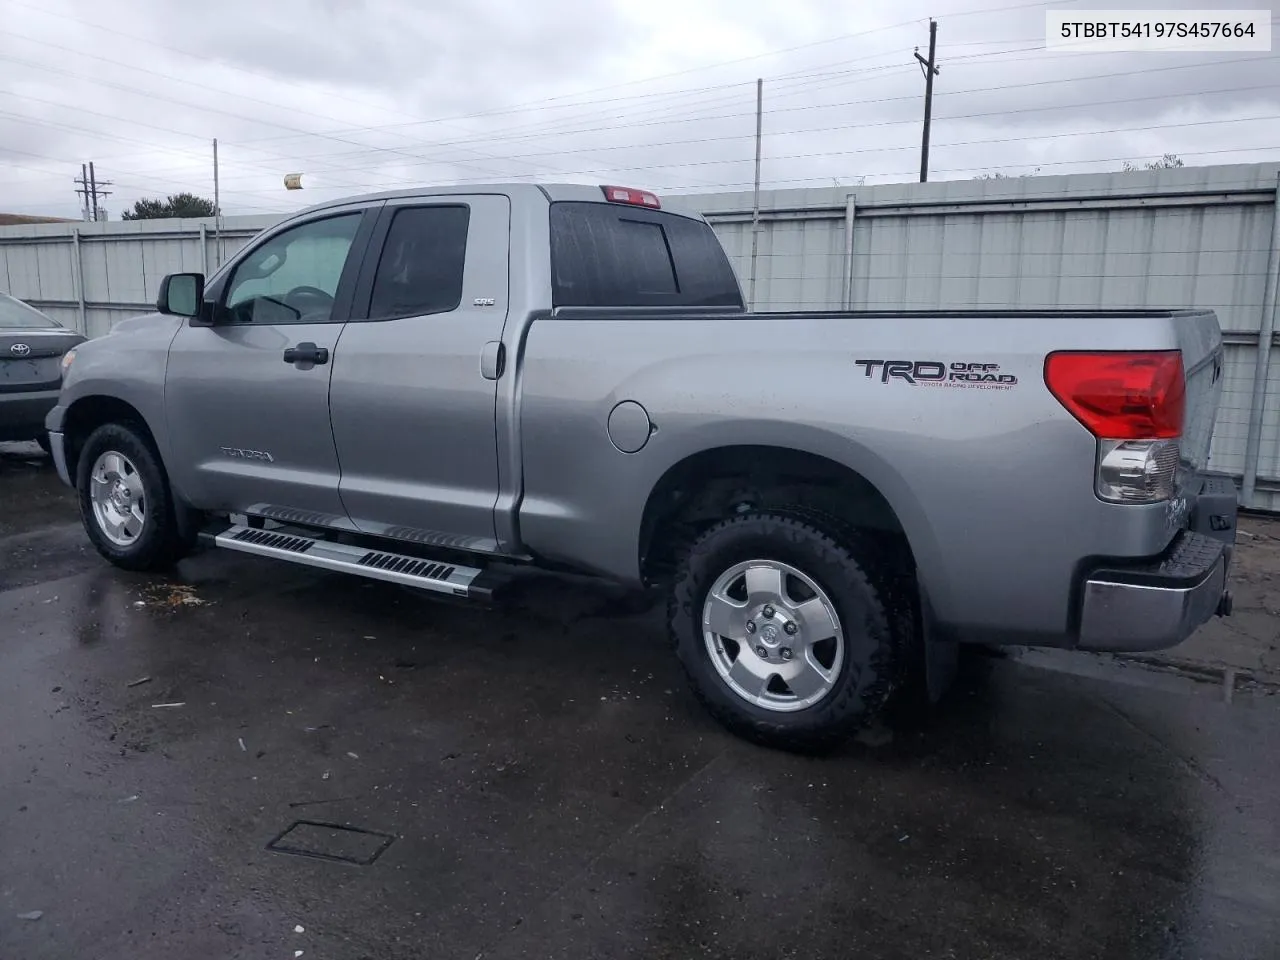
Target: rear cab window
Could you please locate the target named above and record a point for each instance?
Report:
(614, 255)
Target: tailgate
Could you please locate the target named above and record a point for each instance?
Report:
(1200, 339)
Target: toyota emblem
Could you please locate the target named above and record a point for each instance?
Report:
(19, 349)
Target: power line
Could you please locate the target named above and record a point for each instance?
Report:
(499, 138)
(672, 166)
(418, 159)
(548, 101)
(200, 85)
(697, 140)
(457, 143)
(365, 186)
(857, 150)
(891, 123)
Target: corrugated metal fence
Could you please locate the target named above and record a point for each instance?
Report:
(1192, 237)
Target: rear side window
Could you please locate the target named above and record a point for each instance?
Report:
(421, 266)
(604, 255)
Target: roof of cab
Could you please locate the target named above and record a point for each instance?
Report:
(551, 192)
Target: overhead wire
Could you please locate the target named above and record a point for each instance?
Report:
(510, 138)
(892, 123)
(415, 159)
(418, 160)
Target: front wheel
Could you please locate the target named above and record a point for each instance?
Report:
(125, 501)
(784, 634)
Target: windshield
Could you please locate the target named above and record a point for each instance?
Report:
(16, 315)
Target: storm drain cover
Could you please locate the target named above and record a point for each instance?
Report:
(331, 841)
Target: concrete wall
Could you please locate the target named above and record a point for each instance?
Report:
(1192, 237)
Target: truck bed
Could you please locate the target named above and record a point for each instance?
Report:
(983, 474)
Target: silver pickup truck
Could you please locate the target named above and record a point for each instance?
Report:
(430, 386)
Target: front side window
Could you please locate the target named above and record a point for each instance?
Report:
(293, 277)
(16, 315)
(421, 267)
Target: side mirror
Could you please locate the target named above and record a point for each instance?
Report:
(181, 295)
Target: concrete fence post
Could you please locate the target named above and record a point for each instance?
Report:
(78, 255)
(1266, 333)
(850, 213)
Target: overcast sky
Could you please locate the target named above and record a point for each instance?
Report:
(373, 94)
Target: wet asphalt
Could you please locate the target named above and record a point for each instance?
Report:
(537, 782)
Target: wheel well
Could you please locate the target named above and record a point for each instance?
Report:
(709, 486)
(89, 413)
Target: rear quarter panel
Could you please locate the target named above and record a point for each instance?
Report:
(993, 482)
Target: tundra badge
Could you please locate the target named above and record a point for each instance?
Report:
(239, 454)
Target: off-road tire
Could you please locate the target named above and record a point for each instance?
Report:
(162, 542)
(841, 563)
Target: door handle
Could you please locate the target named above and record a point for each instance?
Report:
(306, 353)
(492, 360)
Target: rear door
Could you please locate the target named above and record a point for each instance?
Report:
(247, 399)
(415, 379)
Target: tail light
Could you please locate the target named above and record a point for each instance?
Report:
(1134, 403)
(637, 198)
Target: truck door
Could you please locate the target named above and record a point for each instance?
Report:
(247, 399)
(415, 382)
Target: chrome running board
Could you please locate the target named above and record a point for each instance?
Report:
(438, 576)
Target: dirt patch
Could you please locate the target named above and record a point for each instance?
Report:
(170, 596)
(1248, 640)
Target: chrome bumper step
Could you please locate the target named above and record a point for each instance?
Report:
(437, 576)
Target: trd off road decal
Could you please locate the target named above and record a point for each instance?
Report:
(933, 373)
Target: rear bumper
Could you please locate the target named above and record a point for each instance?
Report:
(1156, 604)
(22, 414)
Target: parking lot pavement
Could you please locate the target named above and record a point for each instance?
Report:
(550, 789)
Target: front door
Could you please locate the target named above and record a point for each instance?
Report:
(414, 383)
(247, 399)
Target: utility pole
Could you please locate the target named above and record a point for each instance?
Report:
(83, 192)
(931, 69)
(755, 206)
(90, 189)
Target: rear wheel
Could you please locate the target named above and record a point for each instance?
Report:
(783, 631)
(125, 501)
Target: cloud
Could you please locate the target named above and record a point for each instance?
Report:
(372, 94)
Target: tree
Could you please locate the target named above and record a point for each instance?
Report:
(1169, 161)
(177, 205)
(1004, 176)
